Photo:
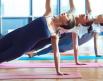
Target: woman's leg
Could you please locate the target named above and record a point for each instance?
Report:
(10, 54)
(5, 43)
(31, 53)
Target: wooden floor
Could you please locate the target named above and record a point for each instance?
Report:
(88, 74)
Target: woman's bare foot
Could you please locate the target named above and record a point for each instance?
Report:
(30, 54)
(60, 73)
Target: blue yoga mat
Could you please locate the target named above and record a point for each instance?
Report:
(50, 57)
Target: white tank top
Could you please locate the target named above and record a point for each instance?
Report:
(51, 29)
(97, 28)
(79, 30)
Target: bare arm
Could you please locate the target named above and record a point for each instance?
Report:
(88, 8)
(72, 8)
(95, 44)
(75, 46)
(54, 41)
(47, 7)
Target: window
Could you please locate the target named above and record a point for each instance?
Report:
(12, 10)
(64, 6)
(38, 7)
(96, 7)
(14, 13)
(10, 24)
(15, 8)
(79, 6)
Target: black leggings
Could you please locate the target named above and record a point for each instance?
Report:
(7, 50)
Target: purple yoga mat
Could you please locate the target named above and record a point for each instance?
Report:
(48, 65)
(6, 76)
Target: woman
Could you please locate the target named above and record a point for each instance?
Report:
(21, 40)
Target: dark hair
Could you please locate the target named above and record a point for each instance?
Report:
(101, 24)
(89, 23)
(70, 24)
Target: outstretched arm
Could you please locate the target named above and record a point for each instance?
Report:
(54, 41)
(75, 47)
(88, 8)
(72, 8)
(47, 7)
(95, 44)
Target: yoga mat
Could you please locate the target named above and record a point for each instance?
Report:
(5, 76)
(101, 65)
(48, 65)
(50, 57)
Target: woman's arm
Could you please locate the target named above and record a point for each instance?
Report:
(88, 8)
(54, 42)
(47, 7)
(72, 8)
(95, 44)
(75, 47)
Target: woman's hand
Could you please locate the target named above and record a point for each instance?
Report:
(80, 63)
(60, 73)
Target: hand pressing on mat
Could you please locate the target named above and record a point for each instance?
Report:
(54, 41)
(60, 73)
(80, 63)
